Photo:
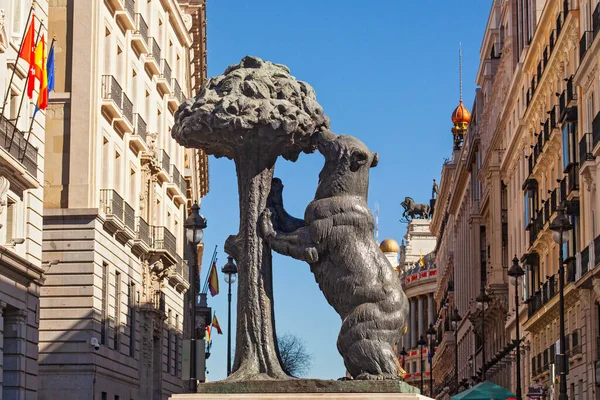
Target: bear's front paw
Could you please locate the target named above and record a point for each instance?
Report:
(311, 255)
(265, 224)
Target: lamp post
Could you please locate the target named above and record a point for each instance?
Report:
(455, 321)
(431, 336)
(194, 224)
(229, 271)
(516, 275)
(421, 342)
(483, 300)
(559, 226)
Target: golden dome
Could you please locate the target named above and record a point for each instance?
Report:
(461, 115)
(389, 246)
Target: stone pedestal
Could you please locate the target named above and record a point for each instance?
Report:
(304, 389)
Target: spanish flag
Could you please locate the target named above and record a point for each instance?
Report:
(41, 73)
(213, 280)
(207, 336)
(216, 325)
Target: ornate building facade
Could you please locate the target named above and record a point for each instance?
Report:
(21, 195)
(532, 145)
(113, 309)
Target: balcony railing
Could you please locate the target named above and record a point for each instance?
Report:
(177, 92)
(596, 130)
(162, 239)
(15, 143)
(159, 301)
(586, 148)
(130, 8)
(176, 178)
(585, 260)
(596, 20)
(140, 127)
(155, 50)
(111, 90)
(165, 161)
(141, 27)
(143, 231)
(585, 43)
(129, 214)
(546, 291)
(111, 203)
(573, 178)
(597, 251)
(127, 109)
(166, 70)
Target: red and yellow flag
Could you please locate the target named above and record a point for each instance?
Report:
(41, 73)
(216, 325)
(207, 336)
(27, 53)
(213, 280)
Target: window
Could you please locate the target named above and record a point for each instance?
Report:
(117, 309)
(580, 389)
(104, 310)
(131, 317)
(569, 138)
(104, 396)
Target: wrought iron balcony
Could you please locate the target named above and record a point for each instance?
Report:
(126, 14)
(586, 148)
(112, 96)
(153, 58)
(546, 291)
(164, 241)
(112, 205)
(15, 143)
(164, 80)
(596, 20)
(585, 43)
(140, 38)
(596, 134)
(165, 160)
(142, 241)
(140, 131)
(128, 109)
(179, 276)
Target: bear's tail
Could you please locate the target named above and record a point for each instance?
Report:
(368, 335)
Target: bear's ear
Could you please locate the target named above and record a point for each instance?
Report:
(375, 160)
(357, 160)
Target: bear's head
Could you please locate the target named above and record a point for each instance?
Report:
(347, 163)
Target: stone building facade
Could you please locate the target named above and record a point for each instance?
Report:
(535, 133)
(115, 201)
(21, 196)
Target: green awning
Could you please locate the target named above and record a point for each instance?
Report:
(485, 391)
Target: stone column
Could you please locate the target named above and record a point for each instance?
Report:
(421, 301)
(413, 323)
(15, 353)
(430, 308)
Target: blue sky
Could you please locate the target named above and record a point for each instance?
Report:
(385, 71)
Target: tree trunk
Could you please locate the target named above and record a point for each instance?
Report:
(256, 355)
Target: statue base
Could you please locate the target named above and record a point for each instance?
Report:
(304, 389)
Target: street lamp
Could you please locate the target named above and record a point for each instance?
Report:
(483, 300)
(194, 224)
(431, 336)
(455, 321)
(516, 276)
(421, 342)
(229, 271)
(559, 225)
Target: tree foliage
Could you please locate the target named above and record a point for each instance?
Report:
(295, 360)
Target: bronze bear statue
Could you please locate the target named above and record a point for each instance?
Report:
(336, 239)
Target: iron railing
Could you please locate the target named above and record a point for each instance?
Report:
(176, 177)
(597, 251)
(111, 90)
(166, 70)
(162, 239)
(130, 8)
(129, 214)
(585, 260)
(585, 43)
(15, 143)
(177, 92)
(155, 50)
(111, 203)
(573, 178)
(140, 127)
(159, 301)
(546, 291)
(596, 130)
(596, 20)
(143, 230)
(586, 148)
(127, 108)
(141, 27)
(165, 160)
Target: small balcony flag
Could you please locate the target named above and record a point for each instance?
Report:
(215, 324)
(213, 280)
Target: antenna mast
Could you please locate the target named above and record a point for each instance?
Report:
(460, 67)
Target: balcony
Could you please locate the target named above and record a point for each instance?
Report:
(163, 82)
(568, 103)
(112, 205)
(128, 231)
(164, 245)
(177, 97)
(585, 43)
(572, 181)
(178, 276)
(596, 135)
(125, 123)
(141, 242)
(546, 291)
(586, 154)
(140, 131)
(140, 38)
(19, 155)
(126, 16)
(112, 97)
(165, 165)
(152, 59)
(596, 20)
(176, 185)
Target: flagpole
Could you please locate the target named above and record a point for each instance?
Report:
(12, 75)
(35, 111)
(213, 259)
(23, 94)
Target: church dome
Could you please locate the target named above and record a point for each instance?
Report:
(389, 246)
(461, 115)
